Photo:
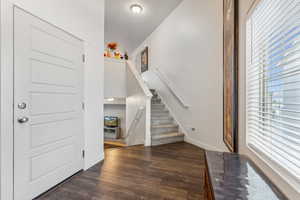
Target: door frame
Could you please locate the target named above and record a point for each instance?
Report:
(7, 98)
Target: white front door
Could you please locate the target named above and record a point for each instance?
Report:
(48, 130)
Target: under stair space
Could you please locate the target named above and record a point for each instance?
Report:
(164, 129)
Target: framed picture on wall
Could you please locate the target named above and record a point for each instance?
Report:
(145, 60)
(230, 67)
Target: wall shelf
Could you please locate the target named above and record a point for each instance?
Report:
(117, 101)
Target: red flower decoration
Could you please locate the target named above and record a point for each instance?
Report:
(112, 46)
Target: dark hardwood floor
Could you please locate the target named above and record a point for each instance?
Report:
(110, 146)
(167, 172)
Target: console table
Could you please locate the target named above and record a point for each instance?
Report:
(235, 177)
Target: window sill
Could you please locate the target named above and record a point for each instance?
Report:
(281, 172)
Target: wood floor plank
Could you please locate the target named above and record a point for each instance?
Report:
(166, 172)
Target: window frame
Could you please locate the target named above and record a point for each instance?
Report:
(282, 172)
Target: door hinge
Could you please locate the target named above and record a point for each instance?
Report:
(83, 153)
(83, 58)
(83, 105)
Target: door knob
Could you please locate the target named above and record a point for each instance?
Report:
(23, 120)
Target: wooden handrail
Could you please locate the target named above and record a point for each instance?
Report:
(139, 79)
(170, 87)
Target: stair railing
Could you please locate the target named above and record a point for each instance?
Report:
(135, 122)
(139, 79)
(170, 87)
(145, 108)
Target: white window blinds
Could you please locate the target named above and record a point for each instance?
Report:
(273, 83)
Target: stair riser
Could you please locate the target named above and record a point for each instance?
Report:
(157, 131)
(159, 111)
(158, 106)
(156, 101)
(158, 117)
(155, 97)
(160, 114)
(167, 117)
(167, 140)
(162, 121)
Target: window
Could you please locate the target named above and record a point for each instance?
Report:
(273, 83)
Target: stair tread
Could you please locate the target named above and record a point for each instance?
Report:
(161, 110)
(167, 118)
(160, 113)
(154, 123)
(167, 135)
(164, 117)
(165, 126)
(158, 109)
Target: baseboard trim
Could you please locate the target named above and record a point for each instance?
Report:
(91, 164)
(200, 144)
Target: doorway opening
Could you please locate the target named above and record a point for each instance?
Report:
(114, 123)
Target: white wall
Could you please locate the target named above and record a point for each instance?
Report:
(182, 34)
(114, 78)
(117, 111)
(271, 170)
(187, 48)
(134, 101)
(84, 19)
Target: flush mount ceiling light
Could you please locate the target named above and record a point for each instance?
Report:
(110, 99)
(136, 8)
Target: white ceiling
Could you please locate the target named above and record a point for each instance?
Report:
(129, 29)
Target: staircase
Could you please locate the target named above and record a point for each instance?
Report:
(164, 130)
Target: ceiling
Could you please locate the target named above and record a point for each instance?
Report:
(129, 29)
